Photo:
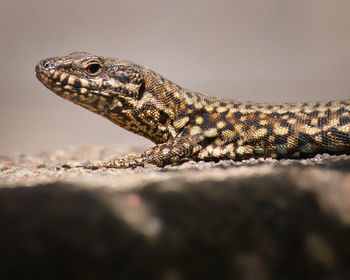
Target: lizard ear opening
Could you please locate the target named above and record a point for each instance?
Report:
(163, 118)
(142, 90)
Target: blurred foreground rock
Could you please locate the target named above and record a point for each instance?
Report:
(251, 220)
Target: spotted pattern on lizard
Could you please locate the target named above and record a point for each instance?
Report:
(185, 124)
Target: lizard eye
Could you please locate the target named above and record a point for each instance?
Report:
(93, 69)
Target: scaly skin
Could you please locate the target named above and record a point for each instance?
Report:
(188, 124)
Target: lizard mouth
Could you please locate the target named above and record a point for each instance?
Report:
(61, 83)
(59, 87)
(79, 95)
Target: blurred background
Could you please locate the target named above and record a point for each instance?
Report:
(262, 50)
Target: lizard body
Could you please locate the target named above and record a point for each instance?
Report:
(188, 124)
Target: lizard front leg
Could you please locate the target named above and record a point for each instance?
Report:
(162, 154)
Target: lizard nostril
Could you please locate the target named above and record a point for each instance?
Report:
(46, 65)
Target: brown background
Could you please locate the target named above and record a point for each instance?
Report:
(263, 50)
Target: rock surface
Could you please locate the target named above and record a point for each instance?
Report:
(256, 219)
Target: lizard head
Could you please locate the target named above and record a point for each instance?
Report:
(128, 94)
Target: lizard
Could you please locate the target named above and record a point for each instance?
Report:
(186, 124)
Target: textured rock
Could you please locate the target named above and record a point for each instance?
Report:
(257, 219)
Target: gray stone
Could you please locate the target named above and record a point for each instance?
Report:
(257, 219)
